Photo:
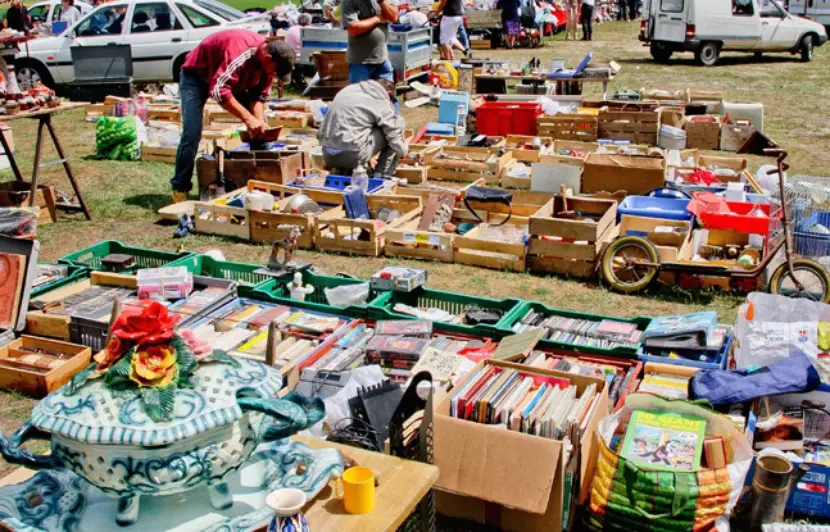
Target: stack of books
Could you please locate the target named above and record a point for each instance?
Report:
(605, 334)
(545, 406)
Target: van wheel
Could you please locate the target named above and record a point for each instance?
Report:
(660, 52)
(806, 48)
(707, 54)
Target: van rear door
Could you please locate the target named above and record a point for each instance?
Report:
(670, 21)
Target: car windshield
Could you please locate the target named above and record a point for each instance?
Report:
(220, 9)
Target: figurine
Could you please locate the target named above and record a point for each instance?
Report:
(296, 290)
(287, 245)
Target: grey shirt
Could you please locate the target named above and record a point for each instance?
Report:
(370, 47)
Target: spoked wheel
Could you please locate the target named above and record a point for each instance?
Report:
(630, 264)
(813, 278)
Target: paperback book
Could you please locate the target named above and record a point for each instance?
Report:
(664, 440)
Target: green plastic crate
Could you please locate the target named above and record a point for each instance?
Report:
(144, 258)
(73, 274)
(277, 290)
(619, 352)
(382, 307)
(243, 274)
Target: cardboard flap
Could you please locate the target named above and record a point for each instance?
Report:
(494, 464)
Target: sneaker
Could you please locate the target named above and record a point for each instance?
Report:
(179, 197)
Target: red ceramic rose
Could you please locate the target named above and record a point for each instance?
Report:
(148, 325)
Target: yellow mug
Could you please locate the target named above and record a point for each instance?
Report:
(356, 488)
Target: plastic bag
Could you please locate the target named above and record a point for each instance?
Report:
(133, 107)
(18, 221)
(117, 139)
(348, 295)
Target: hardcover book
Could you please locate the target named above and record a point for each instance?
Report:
(664, 440)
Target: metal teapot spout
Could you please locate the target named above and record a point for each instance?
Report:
(12, 451)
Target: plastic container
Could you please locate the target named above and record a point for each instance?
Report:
(242, 273)
(671, 138)
(144, 258)
(507, 118)
(340, 182)
(624, 352)
(277, 290)
(72, 274)
(739, 219)
(648, 207)
(170, 282)
(718, 360)
(382, 308)
(448, 105)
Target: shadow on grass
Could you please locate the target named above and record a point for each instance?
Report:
(150, 202)
(731, 60)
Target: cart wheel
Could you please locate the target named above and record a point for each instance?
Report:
(810, 274)
(622, 266)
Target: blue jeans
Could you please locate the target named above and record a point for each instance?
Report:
(193, 93)
(463, 38)
(358, 73)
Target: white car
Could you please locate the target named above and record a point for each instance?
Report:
(708, 27)
(159, 32)
(50, 11)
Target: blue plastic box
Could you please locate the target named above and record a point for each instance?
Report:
(718, 361)
(648, 207)
(340, 182)
(448, 105)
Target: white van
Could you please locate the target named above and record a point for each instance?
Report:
(708, 27)
(815, 10)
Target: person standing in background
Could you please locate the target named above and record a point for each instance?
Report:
(510, 20)
(452, 18)
(572, 7)
(367, 23)
(623, 7)
(293, 35)
(633, 8)
(587, 20)
(17, 17)
(69, 13)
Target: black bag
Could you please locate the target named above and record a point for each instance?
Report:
(488, 195)
(528, 14)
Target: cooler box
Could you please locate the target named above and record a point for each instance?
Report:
(448, 105)
(649, 207)
(507, 118)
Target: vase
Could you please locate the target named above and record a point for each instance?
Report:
(287, 504)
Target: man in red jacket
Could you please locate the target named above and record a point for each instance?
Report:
(236, 68)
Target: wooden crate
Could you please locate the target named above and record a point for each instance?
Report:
(475, 249)
(268, 227)
(97, 110)
(631, 122)
(16, 194)
(28, 378)
(335, 232)
(518, 183)
(566, 267)
(426, 154)
(166, 113)
(412, 174)
(524, 205)
(304, 137)
(567, 126)
(481, 44)
(158, 154)
(512, 142)
(292, 119)
(41, 323)
(227, 137)
(215, 219)
(408, 242)
(468, 165)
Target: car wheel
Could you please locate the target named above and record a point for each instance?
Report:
(29, 73)
(660, 52)
(707, 54)
(806, 48)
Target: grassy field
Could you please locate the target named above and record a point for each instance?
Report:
(124, 196)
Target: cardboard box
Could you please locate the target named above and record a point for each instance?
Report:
(734, 133)
(242, 166)
(703, 132)
(508, 479)
(634, 174)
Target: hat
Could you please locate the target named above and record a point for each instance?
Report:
(283, 55)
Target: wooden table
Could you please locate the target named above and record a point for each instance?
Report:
(44, 118)
(533, 78)
(403, 483)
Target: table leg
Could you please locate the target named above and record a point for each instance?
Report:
(36, 168)
(66, 166)
(10, 155)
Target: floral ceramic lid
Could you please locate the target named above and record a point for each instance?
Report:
(152, 386)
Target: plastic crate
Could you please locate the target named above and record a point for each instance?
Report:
(340, 182)
(739, 219)
(620, 352)
(144, 258)
(507, 118)
(716, 361)
(243, 274)
(73, 273)
(448, 105)
(382, 308)
(649, 207)
(90, 333)
(276, 290)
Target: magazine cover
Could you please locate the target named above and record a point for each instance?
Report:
(662, 440)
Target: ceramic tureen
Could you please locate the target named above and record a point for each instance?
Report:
(159, 413)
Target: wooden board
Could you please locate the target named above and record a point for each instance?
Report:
(174, 212)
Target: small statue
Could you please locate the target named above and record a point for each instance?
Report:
(287, 245)
(296, 290)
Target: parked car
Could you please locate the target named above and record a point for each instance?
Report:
(51, 11)
(709, 27)
(811, 9)
(160, 34)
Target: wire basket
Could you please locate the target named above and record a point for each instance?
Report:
(809, 202)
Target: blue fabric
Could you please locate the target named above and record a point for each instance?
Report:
(193, 93)
(358, 73)
(463, 38)
(720, 387)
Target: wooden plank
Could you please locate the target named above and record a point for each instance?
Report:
(564, 250)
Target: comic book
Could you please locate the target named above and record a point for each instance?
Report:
(664, 440)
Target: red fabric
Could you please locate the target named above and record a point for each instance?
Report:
(228, 61)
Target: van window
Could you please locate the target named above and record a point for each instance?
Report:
(671, 6)
(742, 8)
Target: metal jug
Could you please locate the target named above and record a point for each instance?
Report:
(775, 477)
